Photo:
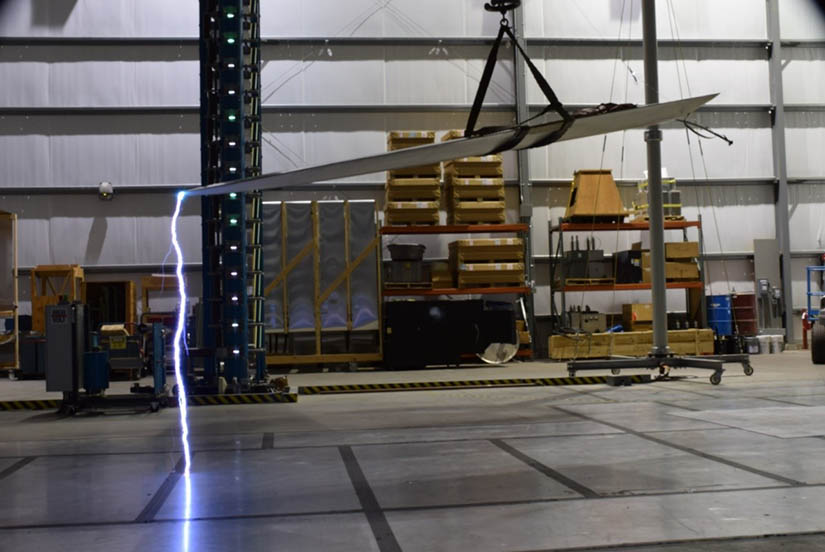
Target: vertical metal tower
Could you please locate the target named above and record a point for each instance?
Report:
(230, 56)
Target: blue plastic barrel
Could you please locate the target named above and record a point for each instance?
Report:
(720, 315)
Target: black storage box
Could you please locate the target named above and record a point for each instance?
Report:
(421, 333)
(628, 266)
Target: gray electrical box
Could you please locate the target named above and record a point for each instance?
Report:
(66, 337)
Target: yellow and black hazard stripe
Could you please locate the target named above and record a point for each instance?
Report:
(31, 404)
(438, 385)
(248, 398)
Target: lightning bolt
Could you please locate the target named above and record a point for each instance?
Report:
(182, 406)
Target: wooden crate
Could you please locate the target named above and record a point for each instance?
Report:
(48, 284)
(594, 196)
(490, 250)
(453, 135)
(411, 212)
(579, 346)
(475, 212)
(398, 139)
(401, 139)
(413, 189)
(489, 274)
(469, 189)
(634, 344)
(474, 167)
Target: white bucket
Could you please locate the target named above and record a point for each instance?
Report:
(764, 344)
(777, 343)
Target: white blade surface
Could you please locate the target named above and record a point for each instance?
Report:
(465, 147)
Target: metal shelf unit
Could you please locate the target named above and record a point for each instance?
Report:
(694, 289)
(522, 229)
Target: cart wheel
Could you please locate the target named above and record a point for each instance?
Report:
(163, 402)
(154, 406)
(748, 369)
(716, 378)
(71, 410)
(571, 373)
(818, 342)
(615, 371)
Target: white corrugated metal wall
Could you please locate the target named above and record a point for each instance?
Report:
(332, 101)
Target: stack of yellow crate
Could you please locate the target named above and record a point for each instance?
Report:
(475, 188)
(487, 262)
(413, 194)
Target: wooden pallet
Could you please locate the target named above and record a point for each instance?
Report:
(475, 193)
(669, 218)
(424, 171)
(474, 169)
(600, 219)
(588, 281)
(499, 281)
(408, 285)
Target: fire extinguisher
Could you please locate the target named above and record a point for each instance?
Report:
(806, 326)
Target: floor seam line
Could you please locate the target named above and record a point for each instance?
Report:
(159, 498)
(664, 543)
(397, 508)
(378, 522)
(545, 469)
(689, 450)
(22, 463)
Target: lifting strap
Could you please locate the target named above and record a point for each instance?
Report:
(484, 83)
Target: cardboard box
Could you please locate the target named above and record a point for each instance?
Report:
(673, 270)
(673, 250)
(633, 313)
(682, 250)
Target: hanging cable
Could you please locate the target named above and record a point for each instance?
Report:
(694, 127)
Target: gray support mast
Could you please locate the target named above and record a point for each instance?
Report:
(653, 138)
(525, 188)
(660, 357)
(783, 232)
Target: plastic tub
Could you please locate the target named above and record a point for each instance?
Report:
(777, 343)
(764, 344)
(751, 345)
(406, 251)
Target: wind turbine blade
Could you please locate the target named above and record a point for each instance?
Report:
(465, 147)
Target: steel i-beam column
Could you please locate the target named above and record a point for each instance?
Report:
(523, 167)
(783, 232)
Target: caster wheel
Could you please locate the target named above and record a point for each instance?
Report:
(716, 378)
(71, 410)
(154, 406)
(615, 371)
(571, 373)
(748, 370)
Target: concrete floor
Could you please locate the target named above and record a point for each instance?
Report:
(670, 466)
